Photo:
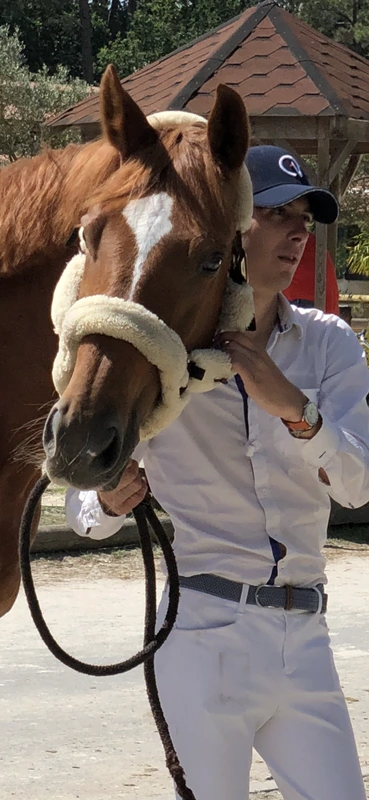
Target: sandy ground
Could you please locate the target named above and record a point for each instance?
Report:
(70, 737)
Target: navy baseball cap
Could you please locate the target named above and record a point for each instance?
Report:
(277, 179)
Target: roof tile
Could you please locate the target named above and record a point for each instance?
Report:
(279, 65)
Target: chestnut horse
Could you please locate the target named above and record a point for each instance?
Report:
(42, 201)
(170, 252)
(158, 247)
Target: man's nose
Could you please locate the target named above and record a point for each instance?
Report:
(298, 230)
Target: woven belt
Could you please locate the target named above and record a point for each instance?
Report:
(287, 597)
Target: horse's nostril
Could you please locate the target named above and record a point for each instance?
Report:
(49, 432)
(107, 450)
(84, 452)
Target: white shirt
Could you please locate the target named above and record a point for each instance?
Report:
(236, 483)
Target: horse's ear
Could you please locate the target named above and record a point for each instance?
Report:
(92, 227)
(124, 124)
(228, 129)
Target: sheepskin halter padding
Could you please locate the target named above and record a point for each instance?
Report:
(74, 319)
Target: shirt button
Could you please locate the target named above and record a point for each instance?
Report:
(250, 449)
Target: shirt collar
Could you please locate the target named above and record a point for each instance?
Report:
(288, 316)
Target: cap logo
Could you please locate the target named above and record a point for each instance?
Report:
(290, 166)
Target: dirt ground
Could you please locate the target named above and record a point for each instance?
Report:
(70, 737)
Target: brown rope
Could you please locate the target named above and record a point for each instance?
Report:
(145, 513)
(152, 641)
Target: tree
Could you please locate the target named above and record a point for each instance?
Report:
(86, 41)
(159, 26)
(70, 32)
(27, 99)
(49, 29)
(153, 28)
(345, 21)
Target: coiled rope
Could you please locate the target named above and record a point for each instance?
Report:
(143, 514)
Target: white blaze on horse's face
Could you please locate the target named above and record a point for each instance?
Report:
(149, 219)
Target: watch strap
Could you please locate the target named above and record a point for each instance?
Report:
(303, 424)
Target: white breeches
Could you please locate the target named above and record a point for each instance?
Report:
(232, 677)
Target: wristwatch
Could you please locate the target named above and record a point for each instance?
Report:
(310, 418)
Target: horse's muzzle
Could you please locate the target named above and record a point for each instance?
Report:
(90, 454)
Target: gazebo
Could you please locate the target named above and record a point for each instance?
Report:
(302, 91)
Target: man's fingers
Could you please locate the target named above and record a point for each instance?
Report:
(238, 352)
(247, 338)
(131, 469)
(124, 506)
(137, 497)
(136, 485)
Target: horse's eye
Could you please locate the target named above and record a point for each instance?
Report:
(213, 263)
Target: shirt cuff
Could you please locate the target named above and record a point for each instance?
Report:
(319, 450)
(86, 517)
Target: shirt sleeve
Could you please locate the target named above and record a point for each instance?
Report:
(85, 515)
(341, 447)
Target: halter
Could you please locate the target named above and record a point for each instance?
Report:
(181, 374)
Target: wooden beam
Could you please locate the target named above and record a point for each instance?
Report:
(90, 131)
(320, 265)
(349, 173)
(332, 230)
(285, 127)
(358, 129)
(354, 298)
(339, 159)
(321, 230)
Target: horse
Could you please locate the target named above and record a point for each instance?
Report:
(158, 210)
(42, 201)
(149, 286)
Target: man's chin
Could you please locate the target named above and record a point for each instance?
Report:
(286, 278)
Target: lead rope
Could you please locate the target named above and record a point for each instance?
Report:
(143, 514)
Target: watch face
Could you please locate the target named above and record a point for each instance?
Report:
(311, 413)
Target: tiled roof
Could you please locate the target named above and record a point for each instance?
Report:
(279, 65)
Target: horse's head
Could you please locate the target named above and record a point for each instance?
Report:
(158, 244)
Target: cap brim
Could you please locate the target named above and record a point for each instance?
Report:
(323, 204)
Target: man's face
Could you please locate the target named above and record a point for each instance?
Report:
(275, 244)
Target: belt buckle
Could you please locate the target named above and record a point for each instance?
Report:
(321, 598)
(288, 602)
(257, 601)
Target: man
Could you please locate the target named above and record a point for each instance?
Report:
(246, 474)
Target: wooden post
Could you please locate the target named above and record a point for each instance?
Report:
(333, 229)
(321, 230)
(320, 265)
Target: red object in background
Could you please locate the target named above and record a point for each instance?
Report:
(303, 282)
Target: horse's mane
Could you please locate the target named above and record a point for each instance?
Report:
(42, 199)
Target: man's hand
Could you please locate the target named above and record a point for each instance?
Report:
(131, 489)
(263, 381)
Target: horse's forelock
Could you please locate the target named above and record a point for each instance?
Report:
(180, 163)
(199, 181)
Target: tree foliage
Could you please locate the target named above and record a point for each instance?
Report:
(356, 202)
(159, 26)
(345, 21)
(27, 99)
(49, 29)
(132, 33)
(358, 259)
